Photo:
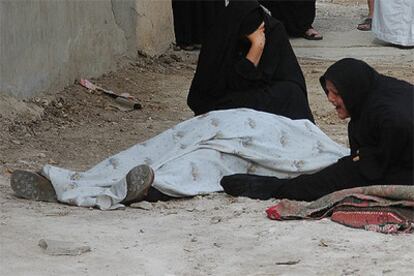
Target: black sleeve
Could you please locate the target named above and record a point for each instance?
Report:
(352, 138)
(244, 75)
(281, 63)
(394, 140)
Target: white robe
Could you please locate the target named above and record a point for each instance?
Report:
(191, 158)
(393, 21)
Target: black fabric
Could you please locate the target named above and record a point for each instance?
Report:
(251, 22)
(343, 174)
(380, 135)
(381, 108)
(297, 16)
(193, 19)
(226, 79)
(154, 195)
(355, 80)
(183, 25)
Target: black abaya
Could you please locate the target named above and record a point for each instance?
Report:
(297, 16)
(183, 26)
(225, 78)
(380, 134)
(193, 19)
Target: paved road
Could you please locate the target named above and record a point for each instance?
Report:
(338, 23)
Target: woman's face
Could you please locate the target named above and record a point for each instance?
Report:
(335, 98)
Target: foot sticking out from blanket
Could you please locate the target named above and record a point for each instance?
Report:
(139, 181)
(252, 186)
(34, 186)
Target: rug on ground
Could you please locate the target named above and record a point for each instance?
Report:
(386, 208)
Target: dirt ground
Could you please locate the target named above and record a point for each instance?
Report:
(206, 235)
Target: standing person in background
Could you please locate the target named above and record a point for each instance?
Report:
(192, 20)
(297, 16)
(183, 25)
(394, 22)
(366, 25)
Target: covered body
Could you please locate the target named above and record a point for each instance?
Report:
(191, 158)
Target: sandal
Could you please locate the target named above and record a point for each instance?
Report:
(365, 25)
(312, 34)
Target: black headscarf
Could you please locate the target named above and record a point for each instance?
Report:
(355, 80)
(251, 22)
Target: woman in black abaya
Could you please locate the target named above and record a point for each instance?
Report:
(247, 61)
(297, 16)
(380, 135)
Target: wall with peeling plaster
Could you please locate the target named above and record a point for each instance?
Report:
(155, 30)
(46, 45)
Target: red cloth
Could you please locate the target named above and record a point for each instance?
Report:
(385, 209)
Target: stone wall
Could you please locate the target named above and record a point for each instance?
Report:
(46, 45)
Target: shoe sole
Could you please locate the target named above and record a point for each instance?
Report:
(30, 185)
(139, 180)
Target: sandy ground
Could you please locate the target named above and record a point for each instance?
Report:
(209, 235)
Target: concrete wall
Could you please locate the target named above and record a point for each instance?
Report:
(155, 29)
(46, 45)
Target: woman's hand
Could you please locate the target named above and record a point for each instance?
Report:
(258, 41)
(258, 38)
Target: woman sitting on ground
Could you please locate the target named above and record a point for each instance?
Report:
(380, 135)
(247, 61)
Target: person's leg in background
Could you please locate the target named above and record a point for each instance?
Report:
(182, 13)
(366, 25)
